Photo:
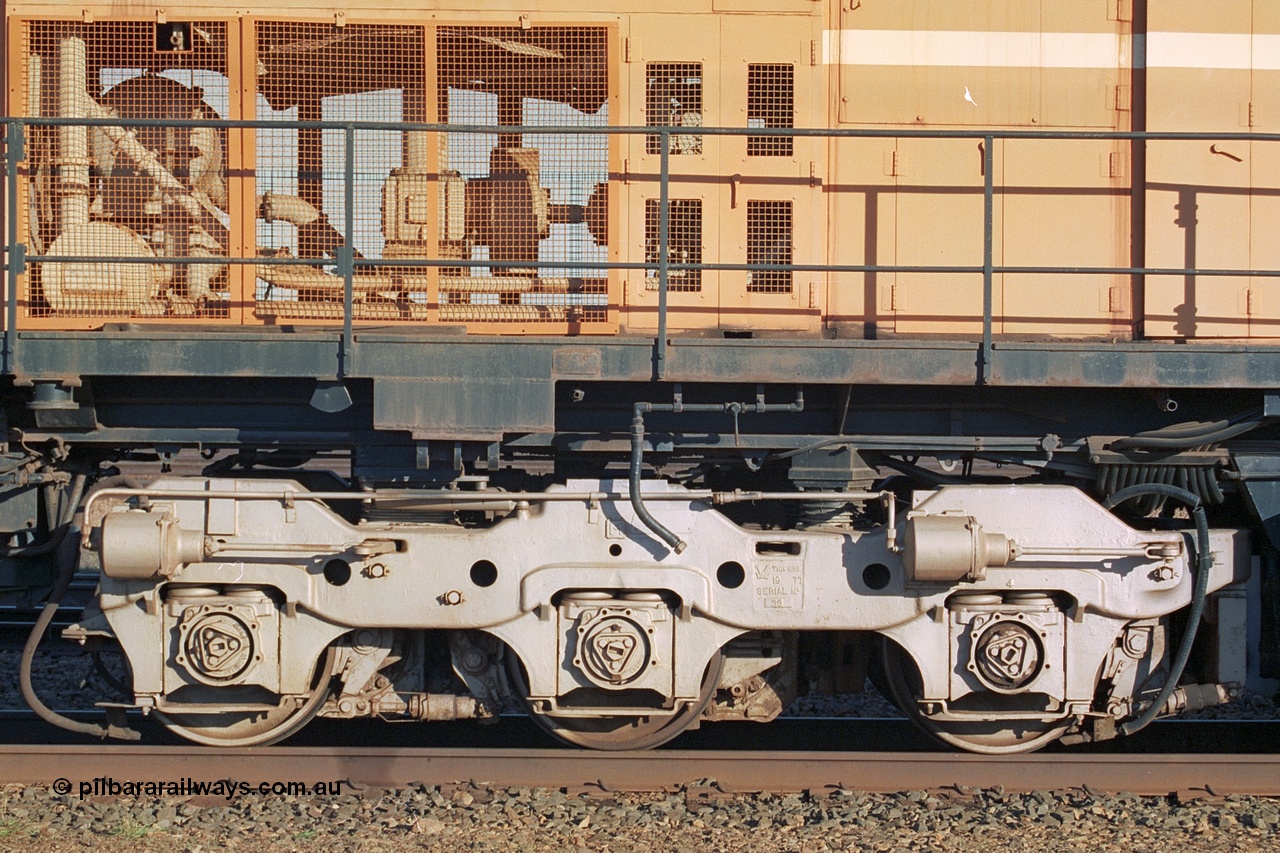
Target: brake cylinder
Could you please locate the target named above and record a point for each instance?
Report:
(949, 548)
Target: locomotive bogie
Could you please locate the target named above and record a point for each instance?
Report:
(593, 605)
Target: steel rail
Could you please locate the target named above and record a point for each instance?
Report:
(883, 772)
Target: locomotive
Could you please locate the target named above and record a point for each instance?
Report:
(641, 368)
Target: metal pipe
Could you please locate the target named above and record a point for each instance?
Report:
(988, 217)
(66, 572)
(346, 265)
(664, 261)
(637, 502)
(479, 499)
(73, 139)
(14, 262)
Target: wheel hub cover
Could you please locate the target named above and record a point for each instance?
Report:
(218, 648)
(1007, 657)
(614, 651)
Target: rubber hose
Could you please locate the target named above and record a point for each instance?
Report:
(633, 481)
(1199, 594)
(67, 571)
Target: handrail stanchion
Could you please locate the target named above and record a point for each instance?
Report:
(346, 254)
(664, 225)
(17, 252)
(988, 217)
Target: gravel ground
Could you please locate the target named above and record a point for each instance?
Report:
(535, 820)
(63, 677)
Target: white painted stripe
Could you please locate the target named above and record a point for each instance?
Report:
(979, 49)
(1239, 51)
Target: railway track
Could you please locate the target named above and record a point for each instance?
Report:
(1182, 775)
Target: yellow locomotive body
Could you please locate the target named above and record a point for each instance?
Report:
(862, 218)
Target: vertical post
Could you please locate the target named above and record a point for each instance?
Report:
(16, 262)
(346, 253)
(988, 217)
(664, 236)
(1138, 169)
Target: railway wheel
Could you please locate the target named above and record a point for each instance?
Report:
(250, 728)
(614, 733)
(999, 737)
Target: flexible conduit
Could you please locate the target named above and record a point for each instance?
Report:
(1198, 595)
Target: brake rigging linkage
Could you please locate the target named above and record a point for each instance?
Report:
(678, 406)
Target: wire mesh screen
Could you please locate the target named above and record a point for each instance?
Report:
(321, 73)
(684, 242)
(113, 199)
(673, 98)
(769, 242)
(771, 104)
(512, 200)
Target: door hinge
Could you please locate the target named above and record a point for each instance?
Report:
(1116, 299)
(889, 298)
(1117, 164)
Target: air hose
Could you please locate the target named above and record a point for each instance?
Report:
(1199, 593)
(633, 482)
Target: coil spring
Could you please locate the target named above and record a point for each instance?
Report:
(1200, 480)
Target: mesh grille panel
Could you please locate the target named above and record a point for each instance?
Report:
(684, 242)
(314, 72)
(115, 194)
(770, 103)
(769, 242)
(520, 218)
(517, 199)
(673, 98)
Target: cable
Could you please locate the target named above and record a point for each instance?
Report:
(1191, 434)
(1199, 593)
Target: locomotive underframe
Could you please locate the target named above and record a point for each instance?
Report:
(1100, 638)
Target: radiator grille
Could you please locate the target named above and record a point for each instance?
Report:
(684, 242)
(118, 194)
(673, 98)
(516, 199)
(769, 242)
(770, 104)
(316, 72)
